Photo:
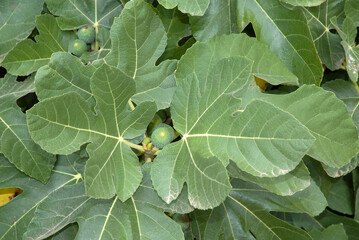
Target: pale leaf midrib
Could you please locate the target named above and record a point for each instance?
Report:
(241, 137)
(78, 129)
(107, 217)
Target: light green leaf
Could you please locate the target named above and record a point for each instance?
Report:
(74, 14)
(193, 7)
(138, 40)
(16, 215)
(333, 232)
(284, 185)
(242, 217)
(305, 3)
(15, 141)
(244, 140)
(336, 140)
(285, 31)
(62, 124)
(328, 44)
(203, 56)
(29, 56)
(63, 74)
(17, 20)
(142, 216)
(341, 198)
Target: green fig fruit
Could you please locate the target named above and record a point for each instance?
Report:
(162, 135)
(86, 34)
(77, 47)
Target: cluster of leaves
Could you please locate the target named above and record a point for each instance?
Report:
(262, 95)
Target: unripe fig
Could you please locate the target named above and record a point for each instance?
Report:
(162, 135)
(86, 34)
(77, 47)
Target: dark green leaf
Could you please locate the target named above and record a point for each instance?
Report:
(15, 142)
(341, 198)
(16, 22)
(29, 56)
(332, 232)
(139, 217)
(242, 217)
(351, 227)
(16, 215)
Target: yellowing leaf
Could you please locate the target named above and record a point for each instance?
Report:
(262, 84)
(7, 194)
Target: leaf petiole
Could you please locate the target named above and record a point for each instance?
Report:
(96, 41)
(132, 145)
(68, 174)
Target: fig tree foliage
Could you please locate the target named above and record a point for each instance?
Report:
(142, 119)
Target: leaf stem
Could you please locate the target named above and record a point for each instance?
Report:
(132, 145)
(96, 31)
(65, 173)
